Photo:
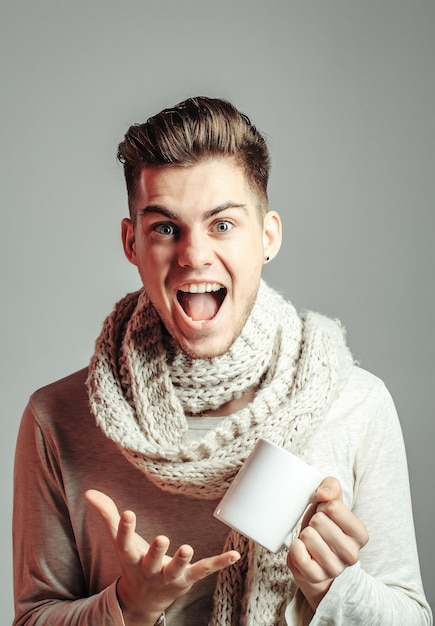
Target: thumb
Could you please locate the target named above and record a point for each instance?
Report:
(106, 508)
(329, 489)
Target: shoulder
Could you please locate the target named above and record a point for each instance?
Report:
(362, 390)
(64, 395)
(72, 383)
(363, 411)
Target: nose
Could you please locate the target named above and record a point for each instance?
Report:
(194, 251)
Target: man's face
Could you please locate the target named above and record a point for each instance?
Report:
(200, 244)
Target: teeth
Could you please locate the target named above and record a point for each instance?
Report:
(200, 288)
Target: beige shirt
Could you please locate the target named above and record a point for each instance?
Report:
(66, 569)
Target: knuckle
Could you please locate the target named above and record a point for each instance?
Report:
(350, 554)
(307, 533)
(316, 520)
(207, 571)
(332, 507)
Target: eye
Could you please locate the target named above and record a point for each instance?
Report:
(165, 229)
(223, 226)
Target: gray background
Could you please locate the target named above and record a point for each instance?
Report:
(344, 91)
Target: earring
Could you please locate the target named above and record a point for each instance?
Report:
(266, 259)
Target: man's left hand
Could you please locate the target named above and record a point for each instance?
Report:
(330, 540)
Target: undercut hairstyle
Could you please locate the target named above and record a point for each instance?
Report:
(195, 130)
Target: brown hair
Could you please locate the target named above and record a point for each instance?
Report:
(197, 129)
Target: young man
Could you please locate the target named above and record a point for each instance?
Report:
(187, 374)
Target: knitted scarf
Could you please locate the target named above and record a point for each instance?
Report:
(141, 386)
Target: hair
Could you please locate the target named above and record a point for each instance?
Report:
(194, 130)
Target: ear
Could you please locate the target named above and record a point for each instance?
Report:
(272, 235)
(128, 240)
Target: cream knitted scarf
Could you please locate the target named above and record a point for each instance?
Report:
(141, 386)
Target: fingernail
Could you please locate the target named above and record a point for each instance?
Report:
(326, 490)
(128, 517)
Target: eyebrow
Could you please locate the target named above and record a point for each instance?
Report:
(162, 210)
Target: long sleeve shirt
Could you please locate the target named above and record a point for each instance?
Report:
(65, 568)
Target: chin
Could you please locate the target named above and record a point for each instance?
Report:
(205, 349)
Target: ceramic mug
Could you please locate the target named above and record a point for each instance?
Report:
(269, 495)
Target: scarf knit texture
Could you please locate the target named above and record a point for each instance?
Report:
(141, 386)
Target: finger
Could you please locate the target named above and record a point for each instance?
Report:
(106, 508)
(343, 518)
(126, 540)
(329, 489)
(346, 547)
(302, 565)
(203, 568)
(180, 561)
(153, 561)
(328, 562)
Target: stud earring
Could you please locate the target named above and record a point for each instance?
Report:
(267, 259)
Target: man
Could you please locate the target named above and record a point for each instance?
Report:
(187, 374)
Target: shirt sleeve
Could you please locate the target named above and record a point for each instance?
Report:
(49, 584)
(384, 588)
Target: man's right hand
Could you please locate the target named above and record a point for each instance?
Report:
(151, 581)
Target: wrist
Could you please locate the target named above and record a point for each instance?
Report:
(143, 619)
(134, 613)
(314, 592)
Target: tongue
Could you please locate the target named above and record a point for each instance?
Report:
(199, 306)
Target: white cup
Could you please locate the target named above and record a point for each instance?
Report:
(269, 495)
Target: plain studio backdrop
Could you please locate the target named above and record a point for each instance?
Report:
(344, 92)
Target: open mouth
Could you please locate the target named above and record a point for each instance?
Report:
(201, 301)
